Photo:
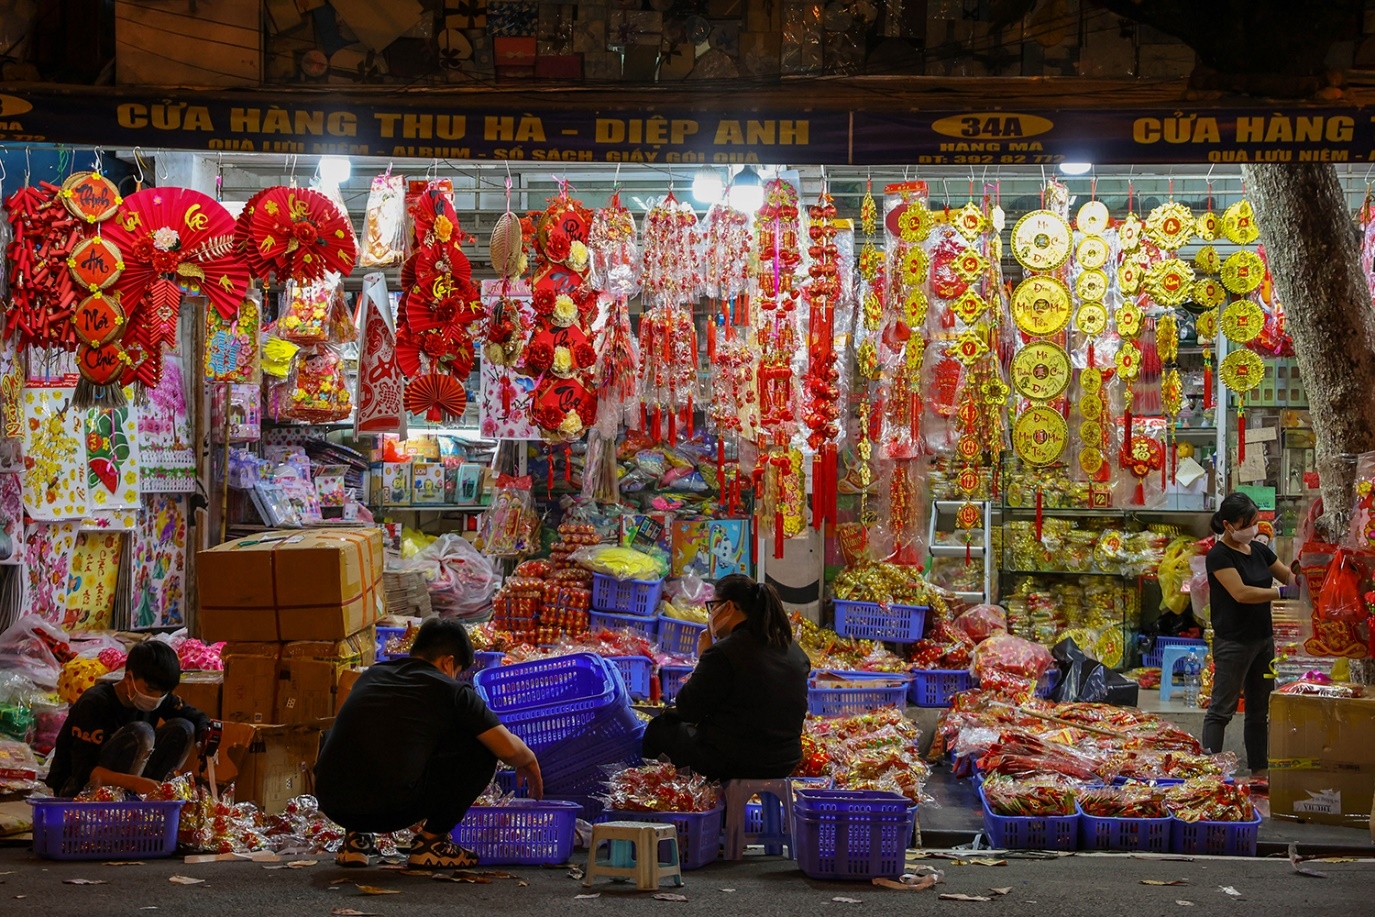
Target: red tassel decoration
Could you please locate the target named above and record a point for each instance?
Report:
(876, 421)
(672, 427)
(818, 491)
(711, 338)
(1040, 513)
(658, 414)
(568, 465)
(1140, 497)
(1241, 438)
(549, 454)
(1163, 472)
(1127, 433)
(778, 536)
(721, 465)
(968, 551)
(690, 418)
(1174, 461)
(508, 394)
(914, 416)
(1207, 388)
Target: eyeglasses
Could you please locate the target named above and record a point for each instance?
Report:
(713, 604)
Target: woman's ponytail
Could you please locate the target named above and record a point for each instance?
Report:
(765, 616)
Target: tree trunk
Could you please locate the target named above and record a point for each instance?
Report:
(1315, 258)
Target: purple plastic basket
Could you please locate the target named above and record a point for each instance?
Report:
(679, 638)
(575, 682)
(1215, 838)
(67, 830)
(1046, 832)
(523, 833)
(1143, 835)
(575, 768)
(644, 627)
(844, 834)
(482, 661)
(632, 597)
(872, 621)
(385, 633)
(823, 701)
(935, 687)
(699, 833)
(635, 672)
(671, 678)
(1156, 656)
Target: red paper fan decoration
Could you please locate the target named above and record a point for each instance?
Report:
(295, 233)
(436, 395)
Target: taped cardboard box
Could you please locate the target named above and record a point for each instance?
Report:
(250, 681)
(202, 691)
(346, 683)
(1322, 759)
(269, 765)
(310, 674)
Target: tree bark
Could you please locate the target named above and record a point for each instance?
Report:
(1314, 255)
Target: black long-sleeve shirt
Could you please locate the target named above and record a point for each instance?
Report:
(99, 714)
(749, 701)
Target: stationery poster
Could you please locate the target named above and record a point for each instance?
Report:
(11, 519)
(54, 455)
(48, 548)
(159, 562)
(112, 458)
(93, 580)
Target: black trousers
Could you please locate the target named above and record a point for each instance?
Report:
(138, 750)
(1241, 667)
(667, 734)
(454, 779)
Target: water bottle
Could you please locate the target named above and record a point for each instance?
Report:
(1193, 669)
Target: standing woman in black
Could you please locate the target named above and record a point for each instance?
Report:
(1241, 576)
(740, 713)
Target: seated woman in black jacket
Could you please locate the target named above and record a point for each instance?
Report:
(740, 713)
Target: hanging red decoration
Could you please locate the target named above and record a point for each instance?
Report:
(437, 396)
(296, 234)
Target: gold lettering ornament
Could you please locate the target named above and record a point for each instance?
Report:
(1207, 260)
(1170, 226)
(1093, 218)
(970, 221)
(1091, 285)
(1041, 240)
(1041, 371)
(1242, 321)
(1239, 223)
(1242, 272)
(1207, 226)
(1092, 318)
(1242, 370)
(1169, 282)
(1040, 435)
(1209, 292)
(1092, 252)
(1041, 306)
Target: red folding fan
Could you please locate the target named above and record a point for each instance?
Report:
(436, 395)
(296, 233)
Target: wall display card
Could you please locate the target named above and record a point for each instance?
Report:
(48, 550)
(159, 562)
(54, 455)
(112, 458)
(729, 547)
(11, 519)
(378, 397)
(166, 453)
(92, 581)
(505, 395)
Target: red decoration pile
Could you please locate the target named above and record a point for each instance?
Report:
(43, 292)
(822, 382)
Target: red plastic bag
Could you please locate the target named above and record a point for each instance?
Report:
(981, 622)
(1340, 599)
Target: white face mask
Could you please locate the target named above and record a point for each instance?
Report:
(144, 702)
(1246, 535)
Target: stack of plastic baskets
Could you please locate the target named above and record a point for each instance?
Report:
(636, 672)
(873, 621)
(678, 637)
(627, 597)
(889, 690)
(68, 830)
(523, 832)
(1215, 838)
(1044, 832)
(935, 687)
(573, 711)
(482, 661)
(699, 833)
(671, 678)
(842, 834)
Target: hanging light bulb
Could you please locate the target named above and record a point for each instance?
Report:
(335, 170)
(707, 187)
(747, 190)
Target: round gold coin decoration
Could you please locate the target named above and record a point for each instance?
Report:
(1093, 218)
(1242, 370)
(1130, 318)
(1170, 226)
(1090, 431)
(1128, 361)
(1092, 252)
(1207, 226)
(1041, 306)
(1109, 648)
(1091, 405)
(1040, 435)
(1242, 321)
(1208, 291)
(1091, 285)
(1091, 380)
(1242, 272)
(1207, 260)
(1239, 223)
(1206, 326)
(1041, 371)
(1169, 282)
(1129, 233)
(1091, 319)
(1041, 240)
(1090, 459)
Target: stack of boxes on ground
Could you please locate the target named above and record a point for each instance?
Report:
(297, 612)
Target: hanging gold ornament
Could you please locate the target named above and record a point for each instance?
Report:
(1092, 252)
(970, 265)
(1167, 337)
(1207, 226)
(1239, 223)
(1040, 435)
(970, 221)
(914, 309)
(968, 348)
(1129, 232)
(1091, 380)
(1170, 226)
(1128, 361)
(1041, 371)
(914, 264)
(1091, 406)
(969, 307)
(1242, 321)
(1207, 260)
(995, 392)
(1130, 319)
(1090, 459)
(1041, 306)
(1185, 450)
(1091, 285)
(1090, 431)
(1041, 240)
(1206, 325)
(914, 222)
(1129, 274)
(1242, 370)
(1091, 319)
(1242, 272)
(1169, 282)
(1172, 392)
(1093, 218)
(1208, 291)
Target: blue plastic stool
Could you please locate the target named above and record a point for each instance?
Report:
(775, 803)
(1168, 657)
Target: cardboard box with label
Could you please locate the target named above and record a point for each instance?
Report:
(1322, 759)
(202, 691)
(269, 765)
(250, 681)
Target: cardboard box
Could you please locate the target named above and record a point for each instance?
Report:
(202, 691)
(269, 765)
(691, 543)
(310, 672)
(396, 484)
(250, 681)
(427, 483)
(346, 682)
(1322, 759)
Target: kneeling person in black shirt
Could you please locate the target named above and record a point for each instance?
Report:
(109, 737)
(412, 744)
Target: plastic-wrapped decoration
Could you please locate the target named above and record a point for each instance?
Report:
(615, 254)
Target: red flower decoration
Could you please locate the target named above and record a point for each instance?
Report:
(538, 356)
(585, 355)
(558, 246)
(305, 232)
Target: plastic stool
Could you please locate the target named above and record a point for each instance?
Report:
(776, 807)
(633, 853)
(1168, 657)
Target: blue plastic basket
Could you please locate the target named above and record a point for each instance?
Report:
(935, 687)
(872, 621)
(1215, 838)
(574, 767)
(1046, 684)
(635, 672)
(699, 833)
(482, 661)
(671, 678)
(1143, 835)
(1015, 832)
(589, 807)
(823, 701)
(645, 627)
(383, 635)
(572, 681)
(630, 596)
(678, 637)
(523, 833)
(843, 834)
(67, 830)
(1155, 657)
(754, 812)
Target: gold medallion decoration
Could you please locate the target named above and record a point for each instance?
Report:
(1242, 272)
(1239, 223)
(914, 221)
(970, 265)
(914, 309)
(1207, 260)
(1169, 282)
(970, 221)
(1172, 392)
(1109, 647)
(968, 448)
(1041, 371)
(1128, 361)
(1242, 370)
(1090, 431)
(1130, 319)
(969, 307)
(1242, 321)
(1093, 218)
(1206, 325)
(1090, 459)
(1092, 318)
(968, 348)
(995, 392)
(1208, 291)
(1091, 380)
(90, 196)
(1041, 306)
(1041, 240)
(1170, 226)
(1092, 252)
(1129, 233)
(1039, 436)
(914, 265)
(1167, 337)
(1129, 275)
(1091, 285)
(1207, 226)
(1091, 406)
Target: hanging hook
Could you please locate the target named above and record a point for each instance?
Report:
(162, 173)
(138, 164)
(616, 181)
(99, 160)
(28, 164)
